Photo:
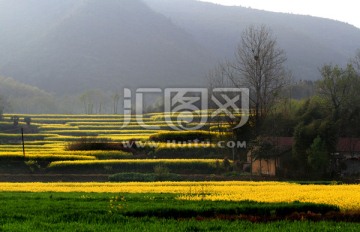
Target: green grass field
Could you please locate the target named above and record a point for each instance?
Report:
(151, 212)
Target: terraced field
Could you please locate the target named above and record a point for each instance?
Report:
(47, 141)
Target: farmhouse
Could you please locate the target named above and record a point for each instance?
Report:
(349, 149)
(347, 152)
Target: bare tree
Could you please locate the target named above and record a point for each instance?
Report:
(87, 102)
(218, 78)
(259, 66)
(94, 101)
(116, 98)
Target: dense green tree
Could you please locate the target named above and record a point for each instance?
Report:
(279, 124)
(318, 156)
(313, 121)
(263, 148)
(339, 88)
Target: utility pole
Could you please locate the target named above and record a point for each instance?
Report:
(22, 139)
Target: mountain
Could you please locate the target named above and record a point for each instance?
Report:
(23, 22)
(309, 42)
(110, 45)
(69, 46)
(17, 97)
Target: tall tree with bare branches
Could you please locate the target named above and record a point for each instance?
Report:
(259, 66)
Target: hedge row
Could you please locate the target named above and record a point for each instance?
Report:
(208, 152)
(142, 166)
(144, 177)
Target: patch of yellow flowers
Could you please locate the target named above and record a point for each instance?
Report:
(347, 197)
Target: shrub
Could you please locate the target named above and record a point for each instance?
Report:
(226, 164)
(27, 120)
(15, 120)
(161, 169)
(94, 143)
(33, 165)
(89, 143)
(143, 177)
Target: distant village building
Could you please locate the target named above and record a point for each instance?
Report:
(347, 153)
(349, 150)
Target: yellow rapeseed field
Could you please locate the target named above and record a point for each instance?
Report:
(347, 197)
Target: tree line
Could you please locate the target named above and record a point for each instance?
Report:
(329, 110)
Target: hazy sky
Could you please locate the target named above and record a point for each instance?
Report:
(344, 10)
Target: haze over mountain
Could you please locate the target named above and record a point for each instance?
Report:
(69, 46)
(108, 44)
(309, 42)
